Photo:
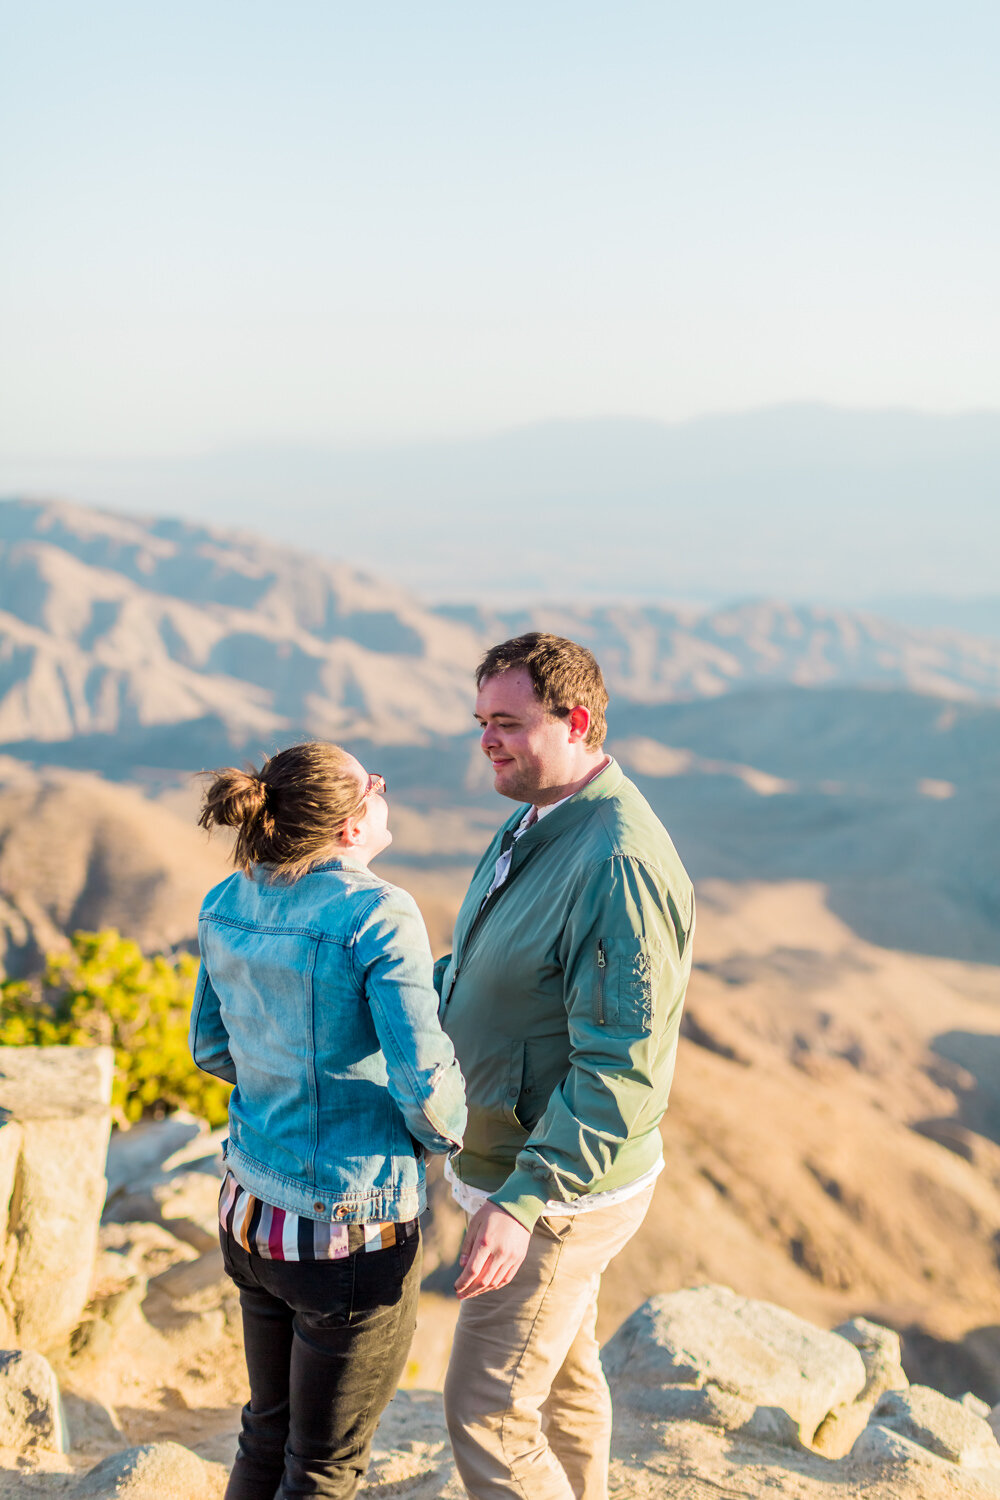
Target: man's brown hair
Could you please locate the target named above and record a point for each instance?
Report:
(563, 674)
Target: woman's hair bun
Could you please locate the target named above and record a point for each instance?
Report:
(235, 799)
(288, 814)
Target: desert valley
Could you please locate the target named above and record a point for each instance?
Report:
(832, 781)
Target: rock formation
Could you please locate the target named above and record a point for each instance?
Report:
(685, 1353)
(715, 1394)
(55, 1120)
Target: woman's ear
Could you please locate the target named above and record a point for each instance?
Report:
(352, 832)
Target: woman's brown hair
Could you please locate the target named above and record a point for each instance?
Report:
(288, 813)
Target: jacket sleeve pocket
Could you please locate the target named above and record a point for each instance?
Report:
(626, 971)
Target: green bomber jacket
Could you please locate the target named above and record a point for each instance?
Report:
(563, 999)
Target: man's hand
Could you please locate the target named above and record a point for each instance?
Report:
(495, 1245)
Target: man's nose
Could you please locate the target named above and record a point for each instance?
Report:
(488, 737)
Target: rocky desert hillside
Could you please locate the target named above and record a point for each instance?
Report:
(113, 625)
(889, 799)
(776, 742)
(80, 853)
(833, 783)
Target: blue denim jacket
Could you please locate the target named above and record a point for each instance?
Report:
(315, 999)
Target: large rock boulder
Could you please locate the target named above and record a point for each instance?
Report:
(117, 1290)
(760, 1354)
(137, 1157)
(55, 1119)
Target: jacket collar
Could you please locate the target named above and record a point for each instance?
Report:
(264, 874)
(572, 811)
(342, 862)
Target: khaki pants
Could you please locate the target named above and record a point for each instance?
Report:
(527, 1404)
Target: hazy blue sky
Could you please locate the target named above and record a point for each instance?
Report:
(240, 222)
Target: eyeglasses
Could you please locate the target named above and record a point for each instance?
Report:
(375, 783)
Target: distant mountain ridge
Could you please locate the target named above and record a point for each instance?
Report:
(803, 501)
(658, 653)
(117, 626)
(113, 625)
(979, 616)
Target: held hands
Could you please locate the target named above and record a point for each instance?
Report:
(495, 1245)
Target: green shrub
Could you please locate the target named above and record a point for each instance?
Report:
(106, 991)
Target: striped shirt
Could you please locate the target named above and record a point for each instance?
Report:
(276, 1234)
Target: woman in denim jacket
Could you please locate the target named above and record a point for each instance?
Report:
(315, 1000)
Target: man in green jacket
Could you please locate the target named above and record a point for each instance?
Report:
(563, 998)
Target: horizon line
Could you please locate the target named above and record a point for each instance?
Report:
(351, 446)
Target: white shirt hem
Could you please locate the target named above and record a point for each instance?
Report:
(471, 1199)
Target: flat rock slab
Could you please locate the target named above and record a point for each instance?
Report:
(881, 1446)
(945, 1428)
(756, 1351)
(55, 1083)
(190, 1276)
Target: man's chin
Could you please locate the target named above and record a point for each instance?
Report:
(509, 783)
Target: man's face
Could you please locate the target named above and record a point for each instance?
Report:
(529, 748)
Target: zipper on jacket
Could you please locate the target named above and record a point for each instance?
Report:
(483, 912)
(486, 907)
(602, 968)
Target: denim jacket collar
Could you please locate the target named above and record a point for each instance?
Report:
(264, 874)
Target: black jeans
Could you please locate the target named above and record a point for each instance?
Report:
(326, 1342)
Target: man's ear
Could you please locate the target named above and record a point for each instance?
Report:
(579, 724)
